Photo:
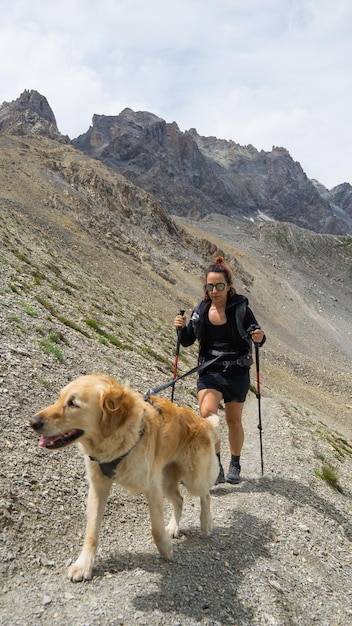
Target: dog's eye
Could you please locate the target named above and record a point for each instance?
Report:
(72, 404)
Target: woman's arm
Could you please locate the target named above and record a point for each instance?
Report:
(187, 337)
(255, 331)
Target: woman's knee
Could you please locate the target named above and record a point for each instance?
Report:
(209, 400)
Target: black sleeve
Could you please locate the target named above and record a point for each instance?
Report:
(251, 320)
(187, 335)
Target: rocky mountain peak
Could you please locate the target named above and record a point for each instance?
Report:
(115, 133)
(342, 196)
(30, 114)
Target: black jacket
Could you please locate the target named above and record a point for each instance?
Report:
(239, 318)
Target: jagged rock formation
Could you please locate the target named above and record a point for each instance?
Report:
(30, 114)
(342, 196)
(196, 176)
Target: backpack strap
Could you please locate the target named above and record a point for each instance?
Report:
(240, 314)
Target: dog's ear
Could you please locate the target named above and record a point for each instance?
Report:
(115, 408)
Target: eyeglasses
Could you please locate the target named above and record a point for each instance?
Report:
(218, 287)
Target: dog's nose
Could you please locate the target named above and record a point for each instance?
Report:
(36, 422)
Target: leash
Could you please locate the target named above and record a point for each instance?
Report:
(198, 368)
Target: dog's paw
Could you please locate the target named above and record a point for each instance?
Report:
(172, 528)
(207, 525)
(80, 570)
(165, 547)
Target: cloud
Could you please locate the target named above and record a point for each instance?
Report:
(264, 72)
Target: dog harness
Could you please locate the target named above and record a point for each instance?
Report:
(108, 469)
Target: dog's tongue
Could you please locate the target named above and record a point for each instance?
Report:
(44, 442)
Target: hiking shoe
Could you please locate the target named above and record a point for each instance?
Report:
(233, 475)
(221, 477)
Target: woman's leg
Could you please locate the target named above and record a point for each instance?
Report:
(233, 413)
(209, 400)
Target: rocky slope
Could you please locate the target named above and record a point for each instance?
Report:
(93, 271)
(280, 552)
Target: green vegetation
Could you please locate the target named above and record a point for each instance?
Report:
(107, 336)
(116, 342)
(328, 474)
(70, 324)
(158, 357)
(94, 324)
(49, 347)
(45, 382)
(54, 337)
(60, 317)
(19, 255)
(29, 310)
(341, 449)
(46, 304)
(339, 444)
(54, 269)
(185, 359)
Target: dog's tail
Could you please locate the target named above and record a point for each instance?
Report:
(214, 420)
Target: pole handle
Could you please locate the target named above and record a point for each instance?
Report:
(178, 330)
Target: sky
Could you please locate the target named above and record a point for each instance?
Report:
(260, 72)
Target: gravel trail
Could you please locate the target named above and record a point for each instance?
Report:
(280, 553)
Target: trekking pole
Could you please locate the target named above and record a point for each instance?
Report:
(177, 352)
(259, 408)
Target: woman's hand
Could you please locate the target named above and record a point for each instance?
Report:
(257, 335)
(180, 321)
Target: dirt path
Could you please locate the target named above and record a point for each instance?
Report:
(280, 553)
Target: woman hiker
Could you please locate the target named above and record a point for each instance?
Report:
(223, 323)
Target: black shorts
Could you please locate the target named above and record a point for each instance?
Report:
(233, 383)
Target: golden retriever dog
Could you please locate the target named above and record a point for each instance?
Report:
(146, 447)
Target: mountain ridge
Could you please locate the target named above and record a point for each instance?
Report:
(196, 176)
(192, 175)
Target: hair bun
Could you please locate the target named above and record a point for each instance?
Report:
(219, 260)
